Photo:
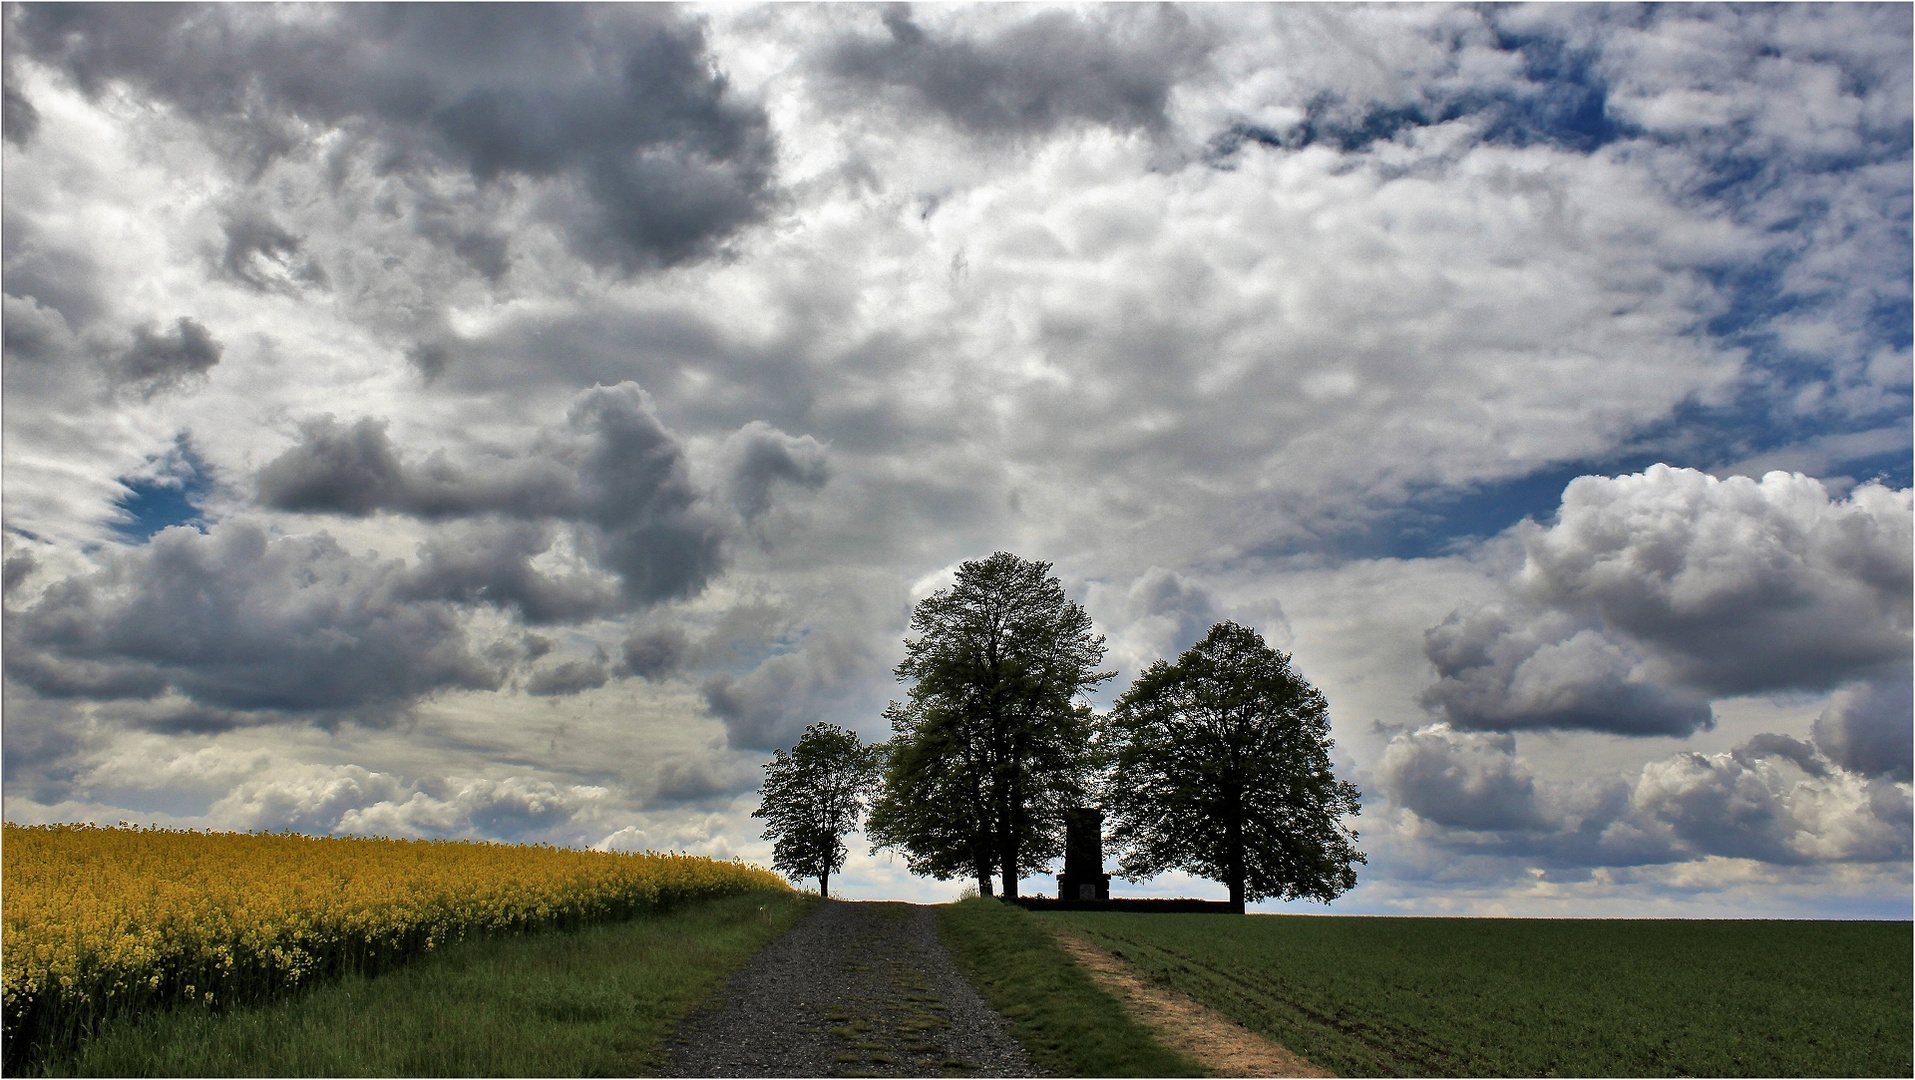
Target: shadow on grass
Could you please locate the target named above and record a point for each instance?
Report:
(1065, 1022)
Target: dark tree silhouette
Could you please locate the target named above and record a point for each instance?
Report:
(1223, 770)
(813, 797)
(991, 744)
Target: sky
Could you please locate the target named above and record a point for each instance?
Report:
(513, 423)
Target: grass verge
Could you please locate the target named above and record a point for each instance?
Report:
(599, 1001)
(1065, 1022)
(1541, 997)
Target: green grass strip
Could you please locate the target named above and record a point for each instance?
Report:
(1542, 997)
(599, 1001)
(1065, 1022)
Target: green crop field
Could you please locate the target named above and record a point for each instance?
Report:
(1542, 997)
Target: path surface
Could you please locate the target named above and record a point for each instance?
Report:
(1214, 1039)
(857, 989)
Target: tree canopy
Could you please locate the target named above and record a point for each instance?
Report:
(814, 796)
(1223, 770)
(992, 743)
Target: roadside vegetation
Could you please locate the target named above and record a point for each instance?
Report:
(102, 924)
(1065, 1022)
(597, 1001)
(1541, 997)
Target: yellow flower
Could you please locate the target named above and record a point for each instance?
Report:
(139, 917)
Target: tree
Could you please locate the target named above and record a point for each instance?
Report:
(813, 797)
(934, 783)
(991, 744)
(1223, 770)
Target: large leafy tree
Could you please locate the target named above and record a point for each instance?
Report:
(992, 743)
(813, 796)
(935, 779)
(1223, 770)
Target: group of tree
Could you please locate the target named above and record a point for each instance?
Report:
(1216, 764)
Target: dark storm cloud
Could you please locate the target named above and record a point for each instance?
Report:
(813, 657)
(618, 104)
(1745, 804)
(262, 255)
(1871, 729)
(19, 120)
(756, 714)
(1500, 671)
(1463, 780)
(56, 277)
(613, 471)
(40, 737)
(822, 679)
(31, 332)
(760, 455)
(172, 717)
(236, 619)
(159, 359)
(1115, 67)
(335, 469)
(656, 651)
(570, 677)
(16, 569)
(1774, 799)
(698, 780)
(358, 801)
(515, 807)
(64, 676)
(429, 359)
(1742, 586)
(492, 563)
(1657, 591)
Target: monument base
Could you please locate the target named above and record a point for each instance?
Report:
(1083, 886)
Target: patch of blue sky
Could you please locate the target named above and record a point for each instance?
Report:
(152, 505)
(1567, 115)
(1439, 521)
(1561, 102)
(171, 496)
(1749, 434)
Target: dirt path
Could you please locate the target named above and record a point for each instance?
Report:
(1183, 1022)
(857, 989)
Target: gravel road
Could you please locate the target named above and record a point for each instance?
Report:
(857, 989)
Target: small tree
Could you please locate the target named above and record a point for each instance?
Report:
(813, 797)
(1223, 770)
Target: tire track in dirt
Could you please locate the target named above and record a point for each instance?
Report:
(1183, 1022)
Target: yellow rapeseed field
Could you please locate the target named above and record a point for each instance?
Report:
(99, 920)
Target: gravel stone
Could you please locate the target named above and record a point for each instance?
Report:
(857, 989)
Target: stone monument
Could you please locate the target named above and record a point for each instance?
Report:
(1083, 877)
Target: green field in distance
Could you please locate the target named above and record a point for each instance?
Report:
(1371, 996)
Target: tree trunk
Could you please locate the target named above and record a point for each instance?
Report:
(981, 859)
(824, 885)
(1007, 838)
(1233, 846)
(1005, 799)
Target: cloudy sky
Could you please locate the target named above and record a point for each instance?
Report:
(512, 423)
